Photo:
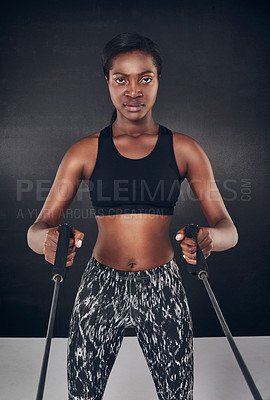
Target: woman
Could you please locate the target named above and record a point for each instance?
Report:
(134, 168)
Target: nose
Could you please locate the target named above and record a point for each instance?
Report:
(133, 90)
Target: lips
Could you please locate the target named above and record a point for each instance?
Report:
(133, 106)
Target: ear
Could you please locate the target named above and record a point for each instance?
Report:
(107, 80)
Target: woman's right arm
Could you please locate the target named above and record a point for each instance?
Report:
(77, 164)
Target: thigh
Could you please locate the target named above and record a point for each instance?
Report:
(165, 336)
(90, 361)
(95, 336)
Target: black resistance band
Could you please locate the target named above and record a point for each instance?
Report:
(200, 270)
(58, 275)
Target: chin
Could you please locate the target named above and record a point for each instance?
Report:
(134, 116)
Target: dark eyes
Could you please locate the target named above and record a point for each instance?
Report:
(120, 80)
(123, 81)
(146, 80)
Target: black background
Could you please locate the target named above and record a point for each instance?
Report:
(214, 87)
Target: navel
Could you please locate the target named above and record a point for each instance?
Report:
(132, 263)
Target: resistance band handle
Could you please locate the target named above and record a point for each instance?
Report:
(59, 268)
(201, 268)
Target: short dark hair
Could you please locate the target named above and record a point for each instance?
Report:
(127, 42)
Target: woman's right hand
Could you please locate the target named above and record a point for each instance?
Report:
(50, 245)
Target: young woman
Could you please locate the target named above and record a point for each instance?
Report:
(134, 168)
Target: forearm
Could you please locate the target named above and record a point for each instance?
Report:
(224, 235)
(36, 236)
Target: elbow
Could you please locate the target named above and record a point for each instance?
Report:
(234, 236)
(28, 237)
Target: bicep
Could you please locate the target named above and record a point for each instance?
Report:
(63, 190)
(201, 179)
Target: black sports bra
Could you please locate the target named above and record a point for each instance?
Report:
(149, 185)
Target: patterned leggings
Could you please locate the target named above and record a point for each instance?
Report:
(152, 301)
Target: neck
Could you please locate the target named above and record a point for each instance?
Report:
(124, 125)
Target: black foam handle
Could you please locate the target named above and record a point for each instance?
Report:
(201, 265)
(59, 268)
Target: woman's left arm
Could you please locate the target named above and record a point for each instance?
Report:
(222, 233)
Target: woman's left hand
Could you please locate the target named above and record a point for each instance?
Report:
(188, 245)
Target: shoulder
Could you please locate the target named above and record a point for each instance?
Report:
(81, 156)
(186, 146)
(189, 153)
(84, 144)
(182, 141)
(84, 147)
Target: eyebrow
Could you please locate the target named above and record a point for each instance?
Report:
(141, 73)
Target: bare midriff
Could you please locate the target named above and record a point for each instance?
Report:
(133, 242)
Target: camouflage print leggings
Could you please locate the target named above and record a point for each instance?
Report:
(152, 301)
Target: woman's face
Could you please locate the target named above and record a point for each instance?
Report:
(133, 84)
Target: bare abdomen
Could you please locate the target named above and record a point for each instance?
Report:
(133, 242)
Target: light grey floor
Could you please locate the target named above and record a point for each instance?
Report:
(217, 375)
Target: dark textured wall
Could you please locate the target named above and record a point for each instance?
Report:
(214, 87)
